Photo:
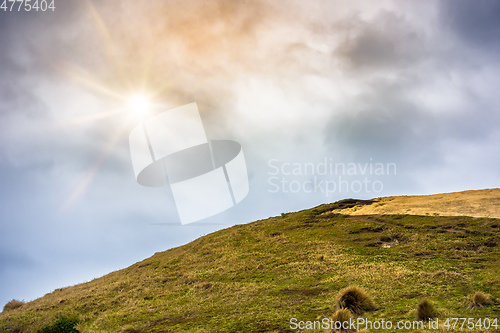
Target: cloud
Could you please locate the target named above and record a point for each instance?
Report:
(387, 41)
(416, 99)
(361, 80)
(475, 23)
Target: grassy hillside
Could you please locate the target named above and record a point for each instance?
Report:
(256, 277)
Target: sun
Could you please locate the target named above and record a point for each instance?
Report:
(139, 104)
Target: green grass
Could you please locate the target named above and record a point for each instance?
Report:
(256, 277)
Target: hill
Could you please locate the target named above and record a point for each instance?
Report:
(258, 276)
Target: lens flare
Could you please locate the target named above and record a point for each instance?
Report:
(139, 104)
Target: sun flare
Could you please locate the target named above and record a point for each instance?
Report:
(139, 104)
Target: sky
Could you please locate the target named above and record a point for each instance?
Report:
(328, 99)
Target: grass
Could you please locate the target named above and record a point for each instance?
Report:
(480, 300)
(356, 300)
(62, 325)
(340, 318)
(14, 304)
(426, 311)
(256, 277)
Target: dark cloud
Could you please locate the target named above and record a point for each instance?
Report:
(387, 41)
(475, 22)
(383, 123)
(388, 119)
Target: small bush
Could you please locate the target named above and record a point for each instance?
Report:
(14, 304)
(356, 300)
(338, 318)
(425, 310)
(479, 300)
(62, 325)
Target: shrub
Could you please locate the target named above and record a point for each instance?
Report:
(62, 325)
(479, 300)
(14, 304)
(340, 316)
(425, 310)
(356, 300)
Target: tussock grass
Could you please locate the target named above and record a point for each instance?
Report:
(340, 316)
(356, 300)
(479, 300)
(14, 304)
(426, 311)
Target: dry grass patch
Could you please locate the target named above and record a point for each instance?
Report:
(479, 203)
